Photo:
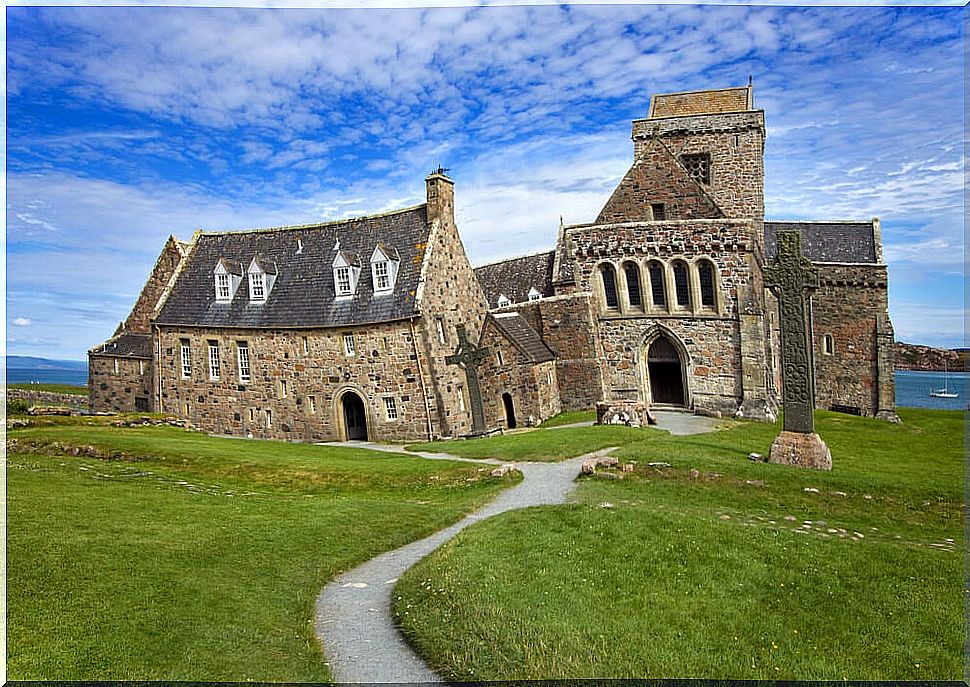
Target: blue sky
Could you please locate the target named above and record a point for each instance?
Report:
(127, 124)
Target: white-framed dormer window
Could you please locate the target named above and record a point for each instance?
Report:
(534, 294)
(228, 276)
(346, 272)
(503, 301)
(384, 263)
(262, 275)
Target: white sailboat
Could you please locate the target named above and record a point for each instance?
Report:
(945, 391)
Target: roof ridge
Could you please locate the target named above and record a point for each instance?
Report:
(312, 225)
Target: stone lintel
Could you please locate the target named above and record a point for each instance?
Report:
(800, 449)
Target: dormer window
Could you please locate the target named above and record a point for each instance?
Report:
(534, 294)
(262, 275)
(503, 301)
(346, 272)
(228, 275)
(384, 262)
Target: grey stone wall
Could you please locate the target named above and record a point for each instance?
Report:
(533, 387)
(120, 385)
(316, 371)
(48, 398)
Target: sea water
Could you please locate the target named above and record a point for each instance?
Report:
(43, 375)
(913, 389)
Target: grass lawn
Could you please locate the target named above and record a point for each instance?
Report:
(539, 445)
(734, 571)
(198, 558)
(568, 417)
(54, 388)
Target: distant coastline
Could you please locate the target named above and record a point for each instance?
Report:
(929, 359)
(25, 369)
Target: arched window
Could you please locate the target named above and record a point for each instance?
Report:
(705, 273)
(681, 285)
(632, 272)
(657, 289)
(608, 273)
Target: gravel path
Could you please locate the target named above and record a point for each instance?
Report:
(353, 617)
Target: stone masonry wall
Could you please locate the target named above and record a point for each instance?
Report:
(120, 384)
(166, 265)
(317, 373)
(847, 306)
(736, 145)
(568, 326)
(48, 398)
(449, 292)
(533, 387)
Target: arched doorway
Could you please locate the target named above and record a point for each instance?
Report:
(509, 410)
(665, 371)
(355, 416)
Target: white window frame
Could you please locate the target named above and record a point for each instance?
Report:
(257, 287)
(243, 362)
(284, 390)
(214, 361)
(223, 287)
(500, 358)
(342, 281)
(440, 324)
(312, 404)
(390, 408)
(116, 366)
(503, 301)
(382, 276)
(534, 295)
(350, 348)
(461, 398)
(185, 353)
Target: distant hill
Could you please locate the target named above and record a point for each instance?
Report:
(21, 362)
(917, 357)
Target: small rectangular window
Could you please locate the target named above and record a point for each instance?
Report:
(186, 353)
(214, 360)
(390, 408)
(283, 388)
(440, 325)
(257, 287)
(141, 367)
(252, 415)
(829, 344)
(659, 211)
(222, 287)
(312, 404)
(242, 353)
(382, 281)
(499, 359)
(269, 418)
(349, 349)
(698, 165)
(116, 366)
(343, 281)
(306, 345)
(461, 398)
(185, 408)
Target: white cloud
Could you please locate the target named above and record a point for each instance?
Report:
(21, 322)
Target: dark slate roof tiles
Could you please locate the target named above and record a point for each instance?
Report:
(520, 332)
(515, 277)
(303, 292)
(126, 346)
(850, 242)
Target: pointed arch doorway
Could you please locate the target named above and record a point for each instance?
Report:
(355, 416)
(665, 373)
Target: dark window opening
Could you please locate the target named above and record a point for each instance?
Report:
(706, 274)
(509, 411)
(609, 286)
(633, 284)
(657, 284)
(829, 345)
(849, 410)
(659, 212)
(698, 165)
(680, 284)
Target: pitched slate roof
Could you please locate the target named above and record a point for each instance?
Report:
(853, 242)
(303, 292)
(126, 346)
(516, 276)
(517, 330)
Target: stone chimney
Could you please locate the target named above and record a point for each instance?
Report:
(441, 197)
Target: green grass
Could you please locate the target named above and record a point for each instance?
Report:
(568, 417)
(668, 574)
(539, 445)
(198, 558)
(71, 389)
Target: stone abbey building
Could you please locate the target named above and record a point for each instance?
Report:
(344, 330)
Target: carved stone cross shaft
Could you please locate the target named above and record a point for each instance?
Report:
(470, 357)
(789, 276)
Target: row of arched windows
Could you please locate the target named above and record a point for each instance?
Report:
(675, 286)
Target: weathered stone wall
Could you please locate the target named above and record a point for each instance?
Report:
(736, 144)
(449, 292)
(166, 265)
(532, 386)
(568, 326)
(48, 398)
(120, 384)
(847, 307)
(317, 373)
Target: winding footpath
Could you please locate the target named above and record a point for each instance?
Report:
(353, 618)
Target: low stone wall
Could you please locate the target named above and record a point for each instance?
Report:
(49, 398)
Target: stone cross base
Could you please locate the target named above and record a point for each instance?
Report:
(801, 450)
(620, 412)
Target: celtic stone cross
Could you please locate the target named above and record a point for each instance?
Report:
(470, 357)
(788, 277)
